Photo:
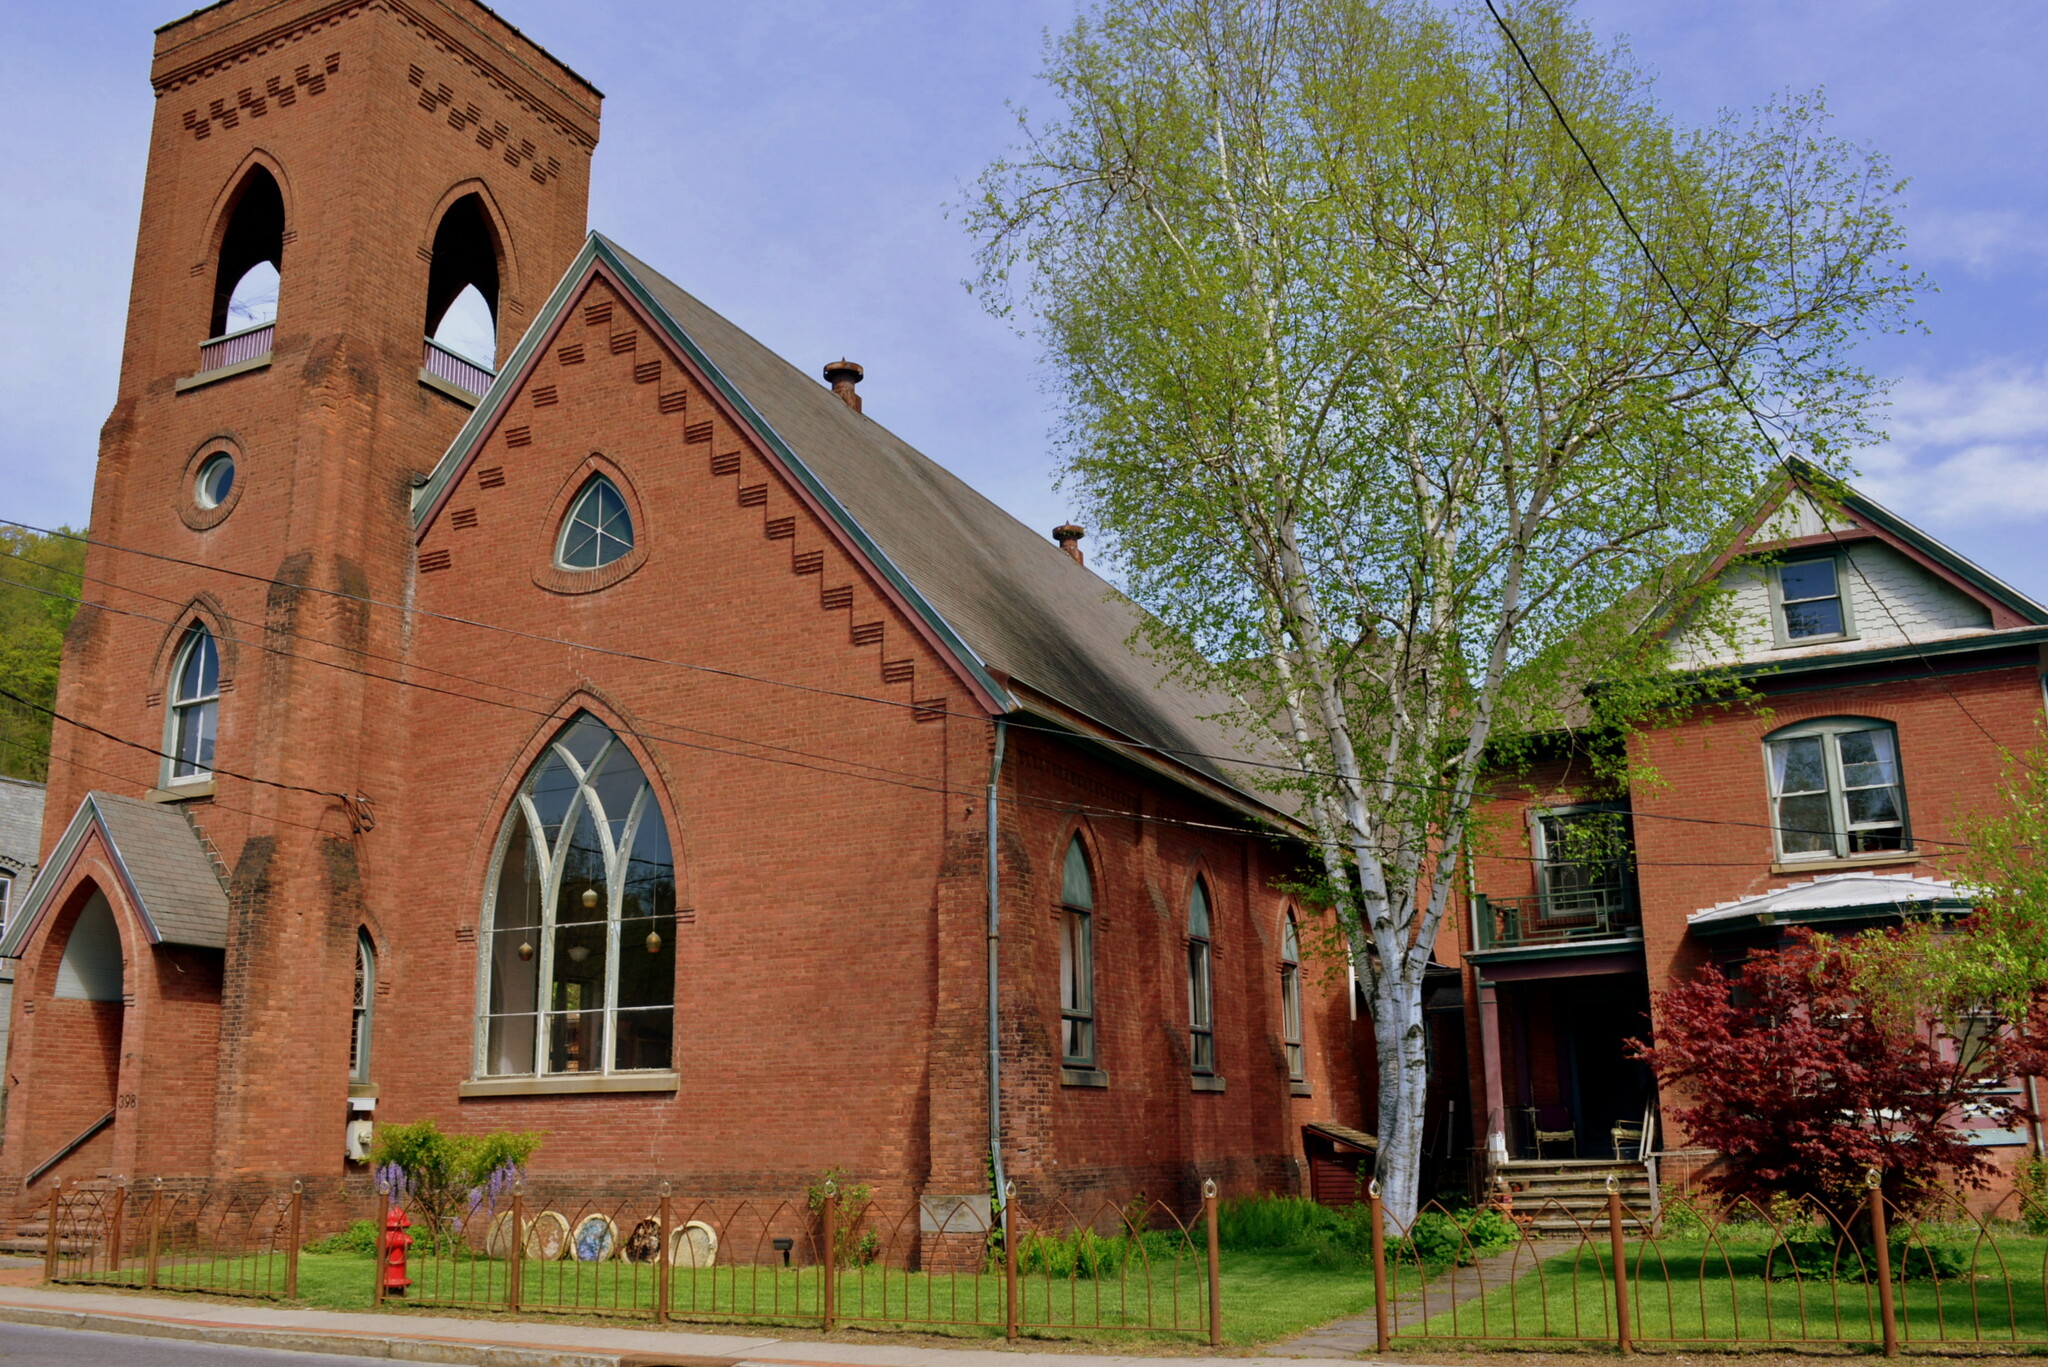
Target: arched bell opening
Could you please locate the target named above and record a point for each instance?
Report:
(247, 275)
(462, 283)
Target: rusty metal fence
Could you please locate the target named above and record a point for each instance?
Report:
(232, 1242)
(1923, 1272)
(839, 1259)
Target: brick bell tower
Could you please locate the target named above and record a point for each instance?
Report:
(380, 157)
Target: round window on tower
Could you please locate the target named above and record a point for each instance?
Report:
(216, 480)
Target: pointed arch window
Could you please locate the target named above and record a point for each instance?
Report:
(1290, 996)
(579, 956)
(1077, 959)
(359, 1021)
(598, 529)
(1201, 993)
(195, 706)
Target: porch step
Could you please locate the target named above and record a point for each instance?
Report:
(1567, 1195)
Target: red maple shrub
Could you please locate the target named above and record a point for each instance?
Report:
(1804, 1083)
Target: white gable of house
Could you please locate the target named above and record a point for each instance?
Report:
(1892, 599)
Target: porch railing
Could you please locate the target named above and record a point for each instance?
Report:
(233, 348)
(1556, 919)
(456, 369)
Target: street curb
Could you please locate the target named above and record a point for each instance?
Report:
(396, 1348)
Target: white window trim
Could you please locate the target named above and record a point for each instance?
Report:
(1838, 802)
(175, 708)
(545, 951)
(363, 1014)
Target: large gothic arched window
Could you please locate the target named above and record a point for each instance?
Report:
(579, 958)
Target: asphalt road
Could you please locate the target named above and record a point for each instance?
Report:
(24, 1345)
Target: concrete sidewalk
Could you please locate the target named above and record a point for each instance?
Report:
(410, 1336)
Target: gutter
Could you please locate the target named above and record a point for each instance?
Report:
(995, 936)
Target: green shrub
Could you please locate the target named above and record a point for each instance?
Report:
(359, 1237)
(1275, 1222)
(451, 1179)
(2031, 1182)
(1444, 1239)
(855, 1246)
(1823, 1259)
(1084, 1254)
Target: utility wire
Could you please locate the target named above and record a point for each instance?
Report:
(915, 780)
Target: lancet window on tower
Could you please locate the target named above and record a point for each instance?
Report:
(579, 960)
(247, 276)
(462, 297)
(195, 706)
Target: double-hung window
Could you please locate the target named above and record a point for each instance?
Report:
(1077, 959)
(1201, 994)
(1836, 788)
(1290, 996)
(1810, 603)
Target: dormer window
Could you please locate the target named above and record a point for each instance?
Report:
(1809, 602)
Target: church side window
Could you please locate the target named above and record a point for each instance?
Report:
(1290, 996)
(359, 1022)
(1077, 959)
(1201, 996)
(579, 959)
(195, 705)
(598, 529)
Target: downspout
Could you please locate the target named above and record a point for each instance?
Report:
(995, 935)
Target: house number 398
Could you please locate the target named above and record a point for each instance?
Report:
(126, 1101)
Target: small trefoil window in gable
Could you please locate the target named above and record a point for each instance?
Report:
(579, 960)
(598, 529)
(195, 705)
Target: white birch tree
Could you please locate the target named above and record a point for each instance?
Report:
(1381, 411)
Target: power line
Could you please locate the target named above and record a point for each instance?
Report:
(1721, 365)
(1110, 742)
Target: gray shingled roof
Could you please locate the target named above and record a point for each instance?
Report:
(21, 824)
(169, 876)
(1018, 601)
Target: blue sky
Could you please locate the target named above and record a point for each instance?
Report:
(790, 161)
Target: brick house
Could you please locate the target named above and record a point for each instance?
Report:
(1888, 677)
(619, 734)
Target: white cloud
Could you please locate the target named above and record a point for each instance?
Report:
(1967, 448)
(1981, 241)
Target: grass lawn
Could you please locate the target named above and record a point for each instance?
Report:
(1267, 1294)
(1694, 1290)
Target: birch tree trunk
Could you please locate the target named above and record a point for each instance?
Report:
(1381, 411)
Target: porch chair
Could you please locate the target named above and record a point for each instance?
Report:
(1628, 1137)
(1552, 1125)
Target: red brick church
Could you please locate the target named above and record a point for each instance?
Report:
(620, 735)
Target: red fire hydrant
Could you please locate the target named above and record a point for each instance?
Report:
(396, 1242)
